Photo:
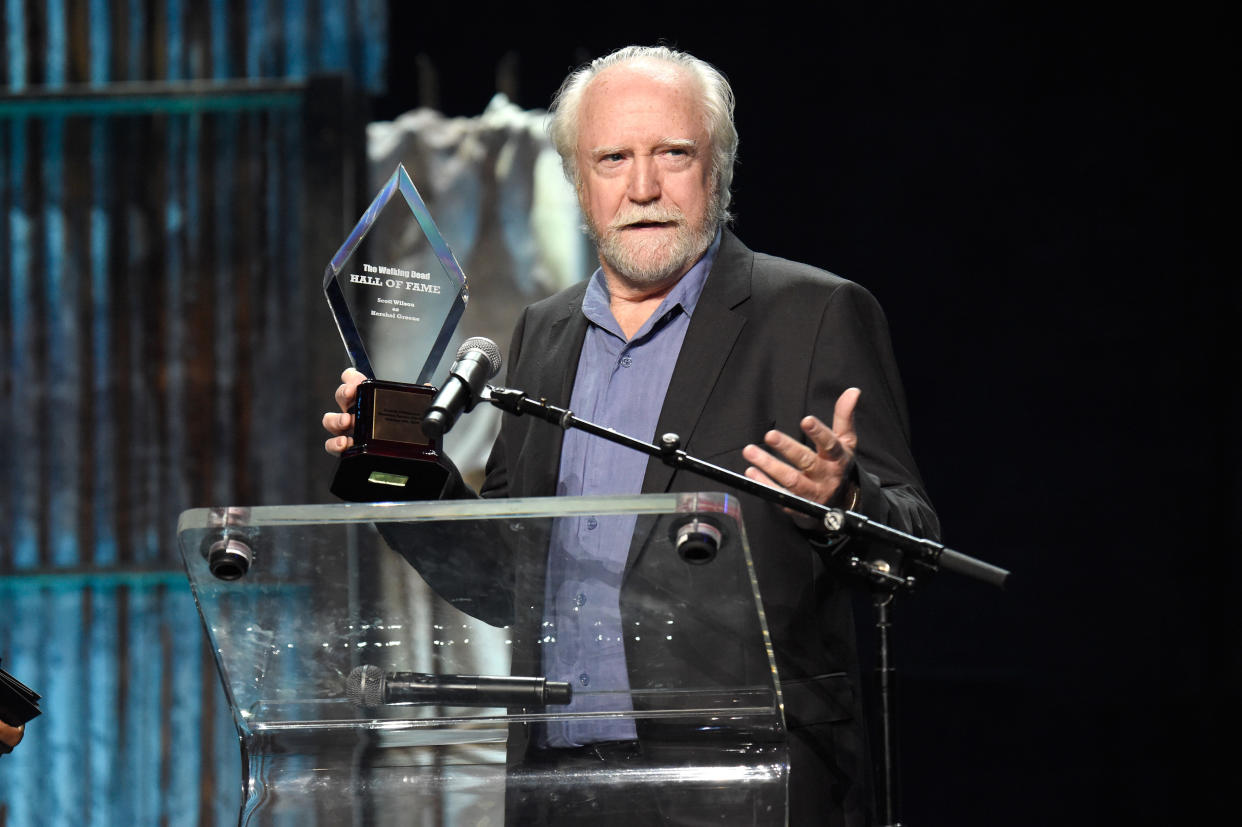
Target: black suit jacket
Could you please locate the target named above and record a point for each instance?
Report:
(769, 342)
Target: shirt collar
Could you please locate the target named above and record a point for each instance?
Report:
(685, 294)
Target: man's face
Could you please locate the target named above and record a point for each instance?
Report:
(645, 178)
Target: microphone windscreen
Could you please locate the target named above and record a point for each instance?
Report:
(490, 350)
(365, 686)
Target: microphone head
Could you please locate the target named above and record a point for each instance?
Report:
(365, 686)
(488, 349)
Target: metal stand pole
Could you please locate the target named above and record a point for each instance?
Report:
(886, 674)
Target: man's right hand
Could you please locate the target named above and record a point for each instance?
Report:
(340, 425)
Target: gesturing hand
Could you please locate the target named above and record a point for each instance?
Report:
(820, 473)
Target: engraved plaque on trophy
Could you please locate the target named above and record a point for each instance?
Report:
(397, 294)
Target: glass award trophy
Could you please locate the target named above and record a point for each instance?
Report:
(397, 293)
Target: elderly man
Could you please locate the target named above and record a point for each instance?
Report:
(684, 329)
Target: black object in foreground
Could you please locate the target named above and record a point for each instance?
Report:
(18, 703)
(370, 686)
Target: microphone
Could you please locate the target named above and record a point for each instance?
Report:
(478, 359)
(370, 686)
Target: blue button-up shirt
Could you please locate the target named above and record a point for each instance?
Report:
(620, 384)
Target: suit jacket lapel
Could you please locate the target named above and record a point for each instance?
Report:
(558, 366)
(710, 338)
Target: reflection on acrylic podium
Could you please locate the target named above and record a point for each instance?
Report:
(349, 637)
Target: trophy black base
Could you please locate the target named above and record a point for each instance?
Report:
(391, 459)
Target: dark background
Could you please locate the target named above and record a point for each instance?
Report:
(1039, 199)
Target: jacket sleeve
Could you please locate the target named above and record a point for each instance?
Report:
(854, 349)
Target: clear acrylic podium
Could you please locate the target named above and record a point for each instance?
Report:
(462, 588)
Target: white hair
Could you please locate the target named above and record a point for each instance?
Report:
(717, 102)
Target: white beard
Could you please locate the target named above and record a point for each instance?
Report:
(650, 258)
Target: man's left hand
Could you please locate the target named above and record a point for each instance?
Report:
(820, 472)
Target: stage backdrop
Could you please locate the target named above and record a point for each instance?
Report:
(174, 176)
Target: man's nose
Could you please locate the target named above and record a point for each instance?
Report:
(644, 181)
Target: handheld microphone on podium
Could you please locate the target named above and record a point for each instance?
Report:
(478, 359)
(370, 686)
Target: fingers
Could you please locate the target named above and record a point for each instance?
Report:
(802, 471)
(791, 464)
(815, 471)
(758, 476)
(340, 425)
(827, 445)
(337, 444)
(843, 416)
(839, 442)
(348, 389)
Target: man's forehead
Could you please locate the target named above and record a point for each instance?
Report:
(641, 76)
(639, 84)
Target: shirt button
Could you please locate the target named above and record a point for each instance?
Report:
(626, 361)
(584, 679)
(592, 523)
(580, 600)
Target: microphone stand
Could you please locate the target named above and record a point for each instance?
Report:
(836, 521)
(840, 524)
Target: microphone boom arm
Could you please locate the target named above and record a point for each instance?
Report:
(836, 521)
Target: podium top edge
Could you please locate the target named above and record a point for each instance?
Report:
(438, 510)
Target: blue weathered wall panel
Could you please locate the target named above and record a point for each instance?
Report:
(153, 304)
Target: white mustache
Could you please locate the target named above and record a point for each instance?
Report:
(652, 215)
